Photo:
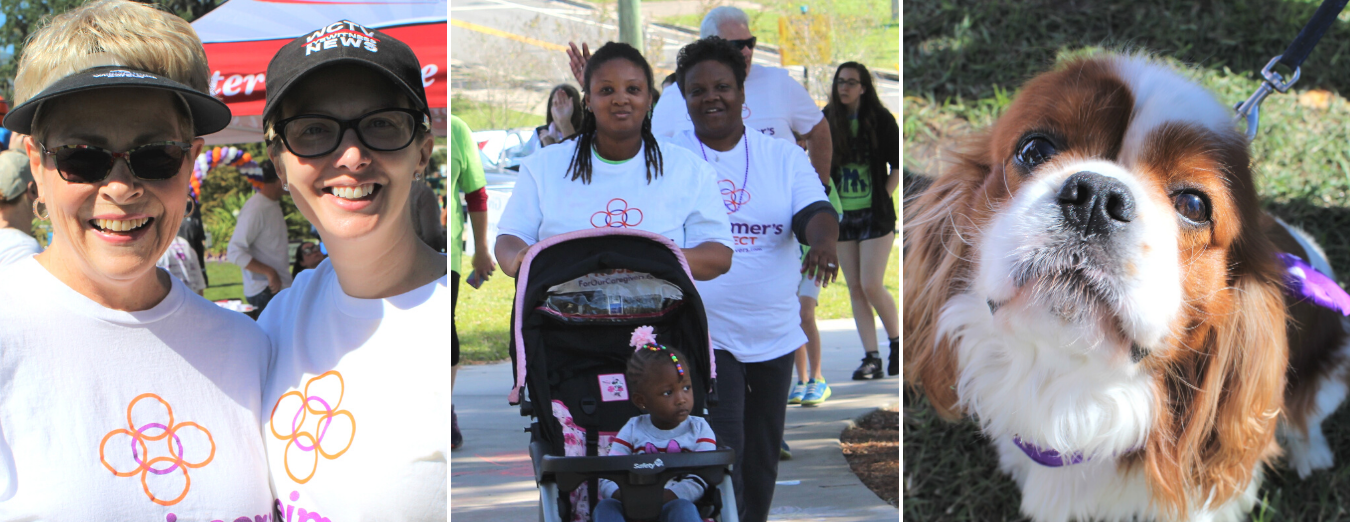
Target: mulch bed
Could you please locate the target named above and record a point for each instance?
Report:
(872, 449)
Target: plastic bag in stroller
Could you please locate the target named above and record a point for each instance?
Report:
(578, 298)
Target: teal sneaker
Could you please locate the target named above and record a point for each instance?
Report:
(816, 392)
(798, 390)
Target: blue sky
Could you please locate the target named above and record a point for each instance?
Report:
(9, 49)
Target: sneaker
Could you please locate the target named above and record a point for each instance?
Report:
(798, 390)
(784, 453)
(871, 367)
(816, 392)
(893, 365)
(456, 438)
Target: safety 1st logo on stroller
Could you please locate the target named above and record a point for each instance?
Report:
(649, 465)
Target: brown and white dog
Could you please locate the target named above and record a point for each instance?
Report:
(1096, 284)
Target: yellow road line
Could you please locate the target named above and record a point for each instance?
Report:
(504, 34)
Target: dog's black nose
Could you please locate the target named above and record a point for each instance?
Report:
(1094, 204)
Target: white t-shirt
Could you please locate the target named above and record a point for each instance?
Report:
(375, 374)
(775, 104)
(78, 381)
(753, 310)
(260, 233)
(694, 434)
(180, 260)
(681, 204)
(16, 245)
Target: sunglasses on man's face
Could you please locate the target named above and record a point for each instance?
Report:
(89, 164)
(742, 44)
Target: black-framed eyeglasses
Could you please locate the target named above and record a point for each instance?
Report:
(847, 81)
(89, 164)
(384, 130)
(742, 44)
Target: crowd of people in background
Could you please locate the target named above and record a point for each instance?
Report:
(691, 162)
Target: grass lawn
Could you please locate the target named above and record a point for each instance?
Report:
(227, 282)
(483, 316)
(482, 116)
(963, 60)
(862, 29)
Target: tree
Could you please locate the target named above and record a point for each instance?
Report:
(24, 17)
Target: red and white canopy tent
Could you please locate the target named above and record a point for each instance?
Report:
(241, 36)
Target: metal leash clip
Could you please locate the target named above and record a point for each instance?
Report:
(1250, 110)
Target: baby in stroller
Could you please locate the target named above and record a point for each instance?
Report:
(659, 385)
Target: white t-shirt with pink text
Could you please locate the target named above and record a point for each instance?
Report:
(753, 310)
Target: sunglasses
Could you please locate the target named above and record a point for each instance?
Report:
(308, 250)
(384, 130)
(849, 82)
(89, 164)
(742, 44)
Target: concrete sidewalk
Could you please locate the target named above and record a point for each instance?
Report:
(492, 479)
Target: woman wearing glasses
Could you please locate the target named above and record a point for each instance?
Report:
(308, 256)
(865, 167)
(358, 399)
(123, 395)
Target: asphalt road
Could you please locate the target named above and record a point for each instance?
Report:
(527, 38)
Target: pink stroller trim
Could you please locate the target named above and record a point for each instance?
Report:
(524, 274)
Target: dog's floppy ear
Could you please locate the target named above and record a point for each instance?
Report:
(1225, 397)
(938, 249)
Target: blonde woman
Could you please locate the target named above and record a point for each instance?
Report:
(123, 395)
(359, 394)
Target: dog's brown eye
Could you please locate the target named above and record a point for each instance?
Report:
(1192, 207)
(1035, 151)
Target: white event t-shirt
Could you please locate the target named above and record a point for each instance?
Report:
(109, 415)
(681, 204)
(358, 420)
(775, 105)
(753, 310)
(16, 245)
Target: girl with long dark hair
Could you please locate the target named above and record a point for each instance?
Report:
(615, 174)
(865, 168)
(562, 115)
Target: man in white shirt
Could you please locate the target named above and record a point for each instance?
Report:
(17, 193)
(259, 243)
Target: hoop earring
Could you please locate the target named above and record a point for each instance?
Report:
(192, 205)
(39, 214)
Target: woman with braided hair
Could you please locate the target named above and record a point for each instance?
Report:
(615, 174)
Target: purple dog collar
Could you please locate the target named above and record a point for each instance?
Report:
(1304, 281)
(1047, 457)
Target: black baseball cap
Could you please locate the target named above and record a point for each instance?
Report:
(208, 114)
(344, 42)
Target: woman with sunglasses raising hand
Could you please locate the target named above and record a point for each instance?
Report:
(359, 398)
(123, 395)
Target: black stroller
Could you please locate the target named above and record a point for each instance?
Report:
(578, 298)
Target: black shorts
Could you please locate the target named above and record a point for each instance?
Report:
(859, 225)
(454, 336)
